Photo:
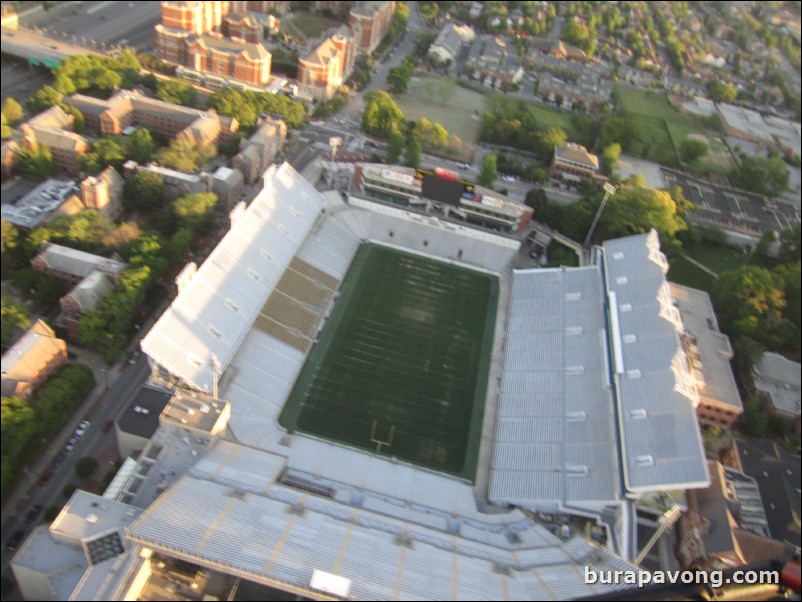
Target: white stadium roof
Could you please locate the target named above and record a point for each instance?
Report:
(555, 439)
(213, 313)
(661, 445)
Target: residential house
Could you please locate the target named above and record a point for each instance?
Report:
(494, 62)
(451, 39)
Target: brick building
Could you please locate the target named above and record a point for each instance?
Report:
(573, 163)
(32, 360)
(191, 35)
(260, 150)
(53, 128)
(127, 108)
(103, 193)
(371, 21)
(325, 69)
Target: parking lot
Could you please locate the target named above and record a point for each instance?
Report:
(734, 209)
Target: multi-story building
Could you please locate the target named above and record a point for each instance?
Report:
(574, 164)
(709, 353)
(778, 380)
(53, 128)
(419, 189)
(229, 58)
(370, 21)
(126, 108)
(325, 69)
(190, 35)
(32, 360)
(103, 192)
(260, 150)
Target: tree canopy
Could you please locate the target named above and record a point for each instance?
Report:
(634, 210)
(144, 189)
(381, 116)
(246, 105)
(15, 318)
(36, 163)
(488, 171)
(749, 302)
(762, 175)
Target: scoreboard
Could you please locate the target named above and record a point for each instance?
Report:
(444, 186)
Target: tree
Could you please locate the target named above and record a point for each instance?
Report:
(8, 240)
(193, 209)
(635, 210)
(5, 131)
(144, 189)
(762, 175)
(15, 318)
(381, 116)
(395, 147)
(610, 156)
(102, 153)
(42, 99)
(691, 149)
(548, 139)
(721, 91)
(139, 146)
(85, 467)
(489, 171)
(398, 77)
(36, 163)
(177, 92)
(12, 110)
(185, 156)
(749, 302)
(413, 154)
(620, 130)
(106, 80)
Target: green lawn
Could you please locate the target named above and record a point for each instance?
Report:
(662, 128)
(308, 25)
(459, 114)
(684, 272)
(403, 359)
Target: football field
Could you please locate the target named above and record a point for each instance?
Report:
(401, 365)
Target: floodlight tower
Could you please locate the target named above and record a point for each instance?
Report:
(609, 190)
(334, 142)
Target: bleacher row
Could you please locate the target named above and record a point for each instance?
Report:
(293, 311)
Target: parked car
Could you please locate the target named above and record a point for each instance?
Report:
(134, 358)
(107, 425)
(71, 444)
(58, 460)
(15, 539)
(33, 513)
(82, 428)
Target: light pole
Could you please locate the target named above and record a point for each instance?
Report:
(334, 142)
(609, 190)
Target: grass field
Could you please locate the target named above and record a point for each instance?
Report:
(307, 25)
(719, 258)
(684, 272)
(403, 357)
(662, 128)
(459, 114)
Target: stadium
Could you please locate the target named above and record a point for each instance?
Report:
(406, 416)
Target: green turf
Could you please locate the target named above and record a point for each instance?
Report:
(662, 128)
(407, 345)
(685, 273)
(309, 25)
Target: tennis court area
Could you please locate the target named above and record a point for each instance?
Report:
(401, 365)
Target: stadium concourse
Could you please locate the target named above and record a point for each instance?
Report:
(587, 408)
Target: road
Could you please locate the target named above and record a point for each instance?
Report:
(100, 22)
(100, 407)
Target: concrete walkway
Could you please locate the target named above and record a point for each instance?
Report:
(699, 265)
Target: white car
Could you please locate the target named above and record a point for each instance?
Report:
(508, 178)
(82, 428)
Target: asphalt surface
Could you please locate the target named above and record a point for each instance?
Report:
(101, 22)
(734, 209)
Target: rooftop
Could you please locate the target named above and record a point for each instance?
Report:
(222, 44)
(141, 415)
(578, 154)
(23, 361)
(84, 545)
(712, 369)
(39, 204)
(780, 379)
(74, 262)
